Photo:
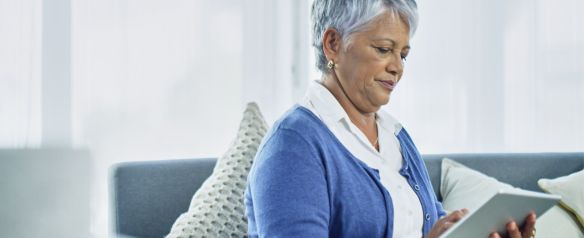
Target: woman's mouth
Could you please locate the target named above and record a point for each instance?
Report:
(390, 85)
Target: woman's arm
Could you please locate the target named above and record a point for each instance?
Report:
(288, 190)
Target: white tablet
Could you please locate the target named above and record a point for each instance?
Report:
(503, 207)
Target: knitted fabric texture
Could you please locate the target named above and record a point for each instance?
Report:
(217, 208)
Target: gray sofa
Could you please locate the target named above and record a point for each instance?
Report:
(147, 197)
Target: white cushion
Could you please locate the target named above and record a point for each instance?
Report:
(462, 187)
(217, 208)
(571, 188)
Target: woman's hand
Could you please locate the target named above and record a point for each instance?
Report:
(446, 222)
(514, 232)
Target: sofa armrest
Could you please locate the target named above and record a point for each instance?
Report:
(147, 197)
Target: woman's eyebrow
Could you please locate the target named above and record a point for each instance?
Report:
(407, 47)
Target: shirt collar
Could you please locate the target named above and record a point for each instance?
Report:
(388, 122)
(325, 103)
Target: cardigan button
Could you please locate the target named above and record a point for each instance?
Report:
(417, 187)
(427, 217)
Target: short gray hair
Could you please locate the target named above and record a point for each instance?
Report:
(350, 16)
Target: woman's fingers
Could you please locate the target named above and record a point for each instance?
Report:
(449, 220)
(513, 230)
(447, 225)
(494, 235)
(446, 222)
(456, 215)
(464, 211)
(529, 226)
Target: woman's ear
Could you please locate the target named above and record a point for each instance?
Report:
(331, 46)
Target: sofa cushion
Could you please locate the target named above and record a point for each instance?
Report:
(571, 189)
(462, 187)
(217, 208)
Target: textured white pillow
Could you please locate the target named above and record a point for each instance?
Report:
(462, 187)
(571, 188)
(217, 208)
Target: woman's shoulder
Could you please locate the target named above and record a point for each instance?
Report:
(302, 120)
(298, 128)
(295, 137)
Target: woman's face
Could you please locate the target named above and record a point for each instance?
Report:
(372, 64)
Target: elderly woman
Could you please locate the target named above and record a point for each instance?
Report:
(335, 165)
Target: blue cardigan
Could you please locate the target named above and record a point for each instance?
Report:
(305, 183)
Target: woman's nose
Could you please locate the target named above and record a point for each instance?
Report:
(395, 66)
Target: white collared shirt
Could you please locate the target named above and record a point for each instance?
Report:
(408, 218)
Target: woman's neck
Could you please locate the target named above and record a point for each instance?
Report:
(363, 120)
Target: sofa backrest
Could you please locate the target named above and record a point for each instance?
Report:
(147, 197)
(518, 169)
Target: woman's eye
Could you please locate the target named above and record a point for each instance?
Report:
(383, 50)
(403, 58)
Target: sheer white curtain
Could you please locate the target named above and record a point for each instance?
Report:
(20, 103)
(495, 76)
(275, 67)
(154, 80)
(164, 73)
(169, 79)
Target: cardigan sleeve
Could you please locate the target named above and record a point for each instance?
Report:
(440, 209)
(287, 193)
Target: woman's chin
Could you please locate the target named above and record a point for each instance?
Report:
(387, 101)
(382, 101)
